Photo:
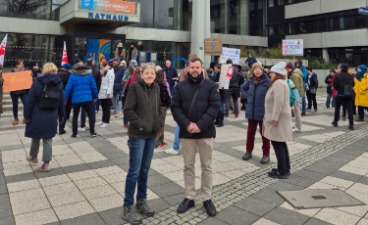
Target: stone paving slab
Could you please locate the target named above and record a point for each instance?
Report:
(87, 183)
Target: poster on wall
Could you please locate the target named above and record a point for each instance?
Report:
(99, 49)
(292, 47)
(225, 76)
(230, 53)
(113, 6)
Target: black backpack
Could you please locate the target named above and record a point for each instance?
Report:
(50, 96)
(348, 90)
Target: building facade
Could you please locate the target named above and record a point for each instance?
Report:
(332, 29)
(37, 28)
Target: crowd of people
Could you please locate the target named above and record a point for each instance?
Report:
(143, 94)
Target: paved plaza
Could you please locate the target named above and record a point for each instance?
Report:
(86, 184)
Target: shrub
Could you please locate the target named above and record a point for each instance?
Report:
(319, 63)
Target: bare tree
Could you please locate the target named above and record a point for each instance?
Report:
(26, 6)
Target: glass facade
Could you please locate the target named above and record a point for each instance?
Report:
(31, 48)
(34, 9)
(165, 14)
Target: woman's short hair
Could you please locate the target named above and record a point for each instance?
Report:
(50, 68)
(19, 61)
(145, 66)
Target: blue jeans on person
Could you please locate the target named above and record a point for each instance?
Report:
(176, 144)
(84, 115)
(140, 157)
(303, 104)
(172, 89)
(328, 100)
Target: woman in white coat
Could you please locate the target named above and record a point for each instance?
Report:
(277, 120)
(105, 95)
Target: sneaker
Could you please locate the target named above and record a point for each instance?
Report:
(103, 125)
(131, 216)
(359, 120)
(93, 135)
(275, 170)
(143, 208)
(74, 135)
(265, 160)
(220, 124)
(351, 128)
(81, 128)
(334, 124)
(62, 132)
(15, 121)
(171, 151)
(32, 159)
(303, 114)
(247, 156)
(99, 123)
(297, 130)
(277, 175)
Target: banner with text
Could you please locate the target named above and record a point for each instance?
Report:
(230, 53)
(17, 81)
(113, 6)
(292, 47)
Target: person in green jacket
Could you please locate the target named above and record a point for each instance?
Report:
(296, 76)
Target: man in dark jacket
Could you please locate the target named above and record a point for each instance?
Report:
(118, 85)
(195, 105)
(341, 83)
(311, 88)
(171, 76)
(328, 81)
(64, 75)
(234, 90)
(82, 87)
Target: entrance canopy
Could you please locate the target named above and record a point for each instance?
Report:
(114, 13)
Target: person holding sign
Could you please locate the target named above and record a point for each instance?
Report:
(19, 94)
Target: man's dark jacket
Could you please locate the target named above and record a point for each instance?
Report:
(341, 80)
(204, 110)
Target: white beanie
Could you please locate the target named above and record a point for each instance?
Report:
(279, 68)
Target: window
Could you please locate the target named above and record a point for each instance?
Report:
(271, 30)
(271, 3)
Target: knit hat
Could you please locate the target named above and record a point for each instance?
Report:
(344, 67)
(117, 59)
(279, 68)
(133, 63)
(289, 66)
(255, 65)
(66, 66)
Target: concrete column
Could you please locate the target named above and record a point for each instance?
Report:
(200, 28)
(178, 14)
(244, 17)
(325, 55)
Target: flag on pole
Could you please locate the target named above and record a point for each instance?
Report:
(2, 49)
(64, 59)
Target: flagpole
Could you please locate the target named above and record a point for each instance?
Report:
(3, 49)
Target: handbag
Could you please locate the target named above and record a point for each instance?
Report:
(313, 90)
(348, 90)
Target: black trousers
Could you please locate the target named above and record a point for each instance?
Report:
(106, 113)
(282, 155)
(347, 103)
(68, 109)
(91, 118)
(361, 112)
(311, 99)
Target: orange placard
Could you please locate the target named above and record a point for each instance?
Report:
(17, 81)
(113, 6)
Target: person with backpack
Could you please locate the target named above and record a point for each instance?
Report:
(311, 88)
(82, 87)
(42, 114)
(344, 83)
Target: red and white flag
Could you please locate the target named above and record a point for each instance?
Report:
(64, 59)
(2, 49)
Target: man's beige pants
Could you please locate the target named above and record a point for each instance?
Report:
(189, 150)
(298, 117)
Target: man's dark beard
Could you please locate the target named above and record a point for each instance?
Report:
(195, 79)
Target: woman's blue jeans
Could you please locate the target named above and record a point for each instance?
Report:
(140, 157)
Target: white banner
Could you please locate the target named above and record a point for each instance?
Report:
(292, 47)
(230, 53)
(225, 76)
(2, 49)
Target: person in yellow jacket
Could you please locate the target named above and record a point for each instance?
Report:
(361, 91)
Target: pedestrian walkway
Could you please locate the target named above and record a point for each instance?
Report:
(86, 185)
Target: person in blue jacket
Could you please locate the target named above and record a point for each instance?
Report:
(82, 87)
(254, 90)
(42, 123)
